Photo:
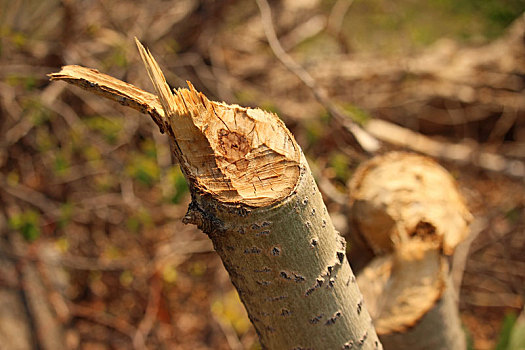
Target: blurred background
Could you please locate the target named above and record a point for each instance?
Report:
(93, 254)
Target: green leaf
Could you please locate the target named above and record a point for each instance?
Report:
(177, 184)
(506, 329)
(27, 223)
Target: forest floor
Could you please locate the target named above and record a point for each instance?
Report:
(91, 204)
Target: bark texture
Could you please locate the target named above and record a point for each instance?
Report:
(407, 211)
(290, 269)
(254, 195)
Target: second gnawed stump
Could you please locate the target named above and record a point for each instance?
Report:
(408, 214)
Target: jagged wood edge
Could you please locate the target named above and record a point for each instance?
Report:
(114, 89)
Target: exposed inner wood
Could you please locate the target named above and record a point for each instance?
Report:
(399, 196)
(239, 155)
(399, 289)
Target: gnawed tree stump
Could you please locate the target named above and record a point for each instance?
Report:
(407, 211)
(397, 196)
(253, 194)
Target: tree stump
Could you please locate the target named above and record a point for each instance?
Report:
(407, 212)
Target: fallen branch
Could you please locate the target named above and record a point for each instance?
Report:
(463, 154)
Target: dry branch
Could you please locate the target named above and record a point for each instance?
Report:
(460, 153)
(114, 89)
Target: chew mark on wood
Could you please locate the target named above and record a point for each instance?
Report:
(238, 155)
(233, 153)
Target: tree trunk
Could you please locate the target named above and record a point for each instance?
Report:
(407, 210)
(254, 195)
(290, 269)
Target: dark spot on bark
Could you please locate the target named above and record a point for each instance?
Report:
(205, 221)
(252, 250)
(318, 284)
(314, 242)
(324, 223)
(276, 251)
(298, 278)
(313, 211)
(243, 212)
(280, 297)
(341, 257)
(332, 319)
(331, 283)
(263, 233)
(305, 201)
(348, 345)
(264, 269)
(255, 227)
(284, 275)
(359, 306)
(363, 338)
(265, 224)
(285, 312)
(316, 319)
